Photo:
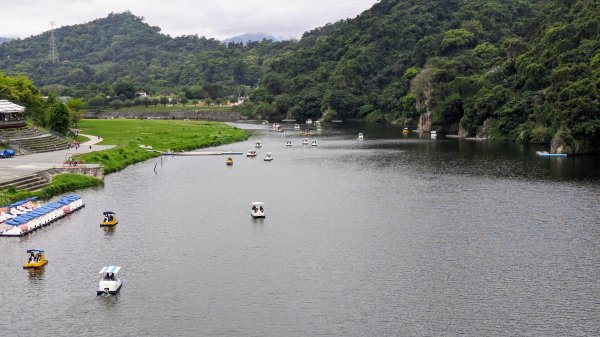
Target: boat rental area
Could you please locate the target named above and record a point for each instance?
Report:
(26, 216)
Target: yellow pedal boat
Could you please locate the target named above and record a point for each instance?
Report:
(110, 219)
(37, 259)
(229, 161)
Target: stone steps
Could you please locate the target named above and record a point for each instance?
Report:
(29, 140)
(29, 182)
(42, 144)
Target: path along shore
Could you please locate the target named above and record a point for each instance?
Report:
(19, 166)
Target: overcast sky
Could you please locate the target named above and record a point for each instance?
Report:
(218, 19)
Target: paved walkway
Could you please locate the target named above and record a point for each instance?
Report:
(24, 165)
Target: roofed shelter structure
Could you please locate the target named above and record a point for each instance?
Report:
(11, 115)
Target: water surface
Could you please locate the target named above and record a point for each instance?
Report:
(394, 235)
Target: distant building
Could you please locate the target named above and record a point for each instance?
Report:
(11, 115)
(141, 94)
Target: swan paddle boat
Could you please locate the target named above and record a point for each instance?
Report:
(297, 126)
(314, 142)
(309, 121)
(37, 259)
(229, 161)
(268, 157)
(109, 283)
(405, 131)
(304, 141)
(258, 210)
(110, 219)
(361, 136)
(288, 143)
(251, 153)
(258, 144)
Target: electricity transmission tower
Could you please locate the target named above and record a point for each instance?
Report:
(53, 50)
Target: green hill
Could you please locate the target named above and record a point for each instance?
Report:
(122, 48)
(513, 69)
(525, 70)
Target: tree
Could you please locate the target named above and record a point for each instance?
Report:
(183, 100)
(164, 100)
(457, 38)
(264, 110)
(124, 88)
(76, 106)
(117, 103)
(59, 120)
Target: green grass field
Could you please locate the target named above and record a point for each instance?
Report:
(174, 135)
(61, 183)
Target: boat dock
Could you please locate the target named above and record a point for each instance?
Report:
(37, 218)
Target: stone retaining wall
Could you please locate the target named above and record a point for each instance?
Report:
(93, 170)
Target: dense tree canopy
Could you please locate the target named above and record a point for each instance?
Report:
(527, 70)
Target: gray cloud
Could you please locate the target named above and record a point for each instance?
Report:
(211, 18)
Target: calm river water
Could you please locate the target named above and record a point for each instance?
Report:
(391, 236)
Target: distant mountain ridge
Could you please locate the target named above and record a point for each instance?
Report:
(121, 47)
(250, 37)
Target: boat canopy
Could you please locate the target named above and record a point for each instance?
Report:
(109, 212)
(35, 251)
(21, 202)
(110, 269)
(257, 203)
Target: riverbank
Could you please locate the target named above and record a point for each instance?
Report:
(132, 139)
(120, 141)
(60, 184)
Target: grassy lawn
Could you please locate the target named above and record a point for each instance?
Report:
(162, 135)
(81, 139)
(61, 183)
(169, 108)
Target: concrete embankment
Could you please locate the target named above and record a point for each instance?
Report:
(195, 115)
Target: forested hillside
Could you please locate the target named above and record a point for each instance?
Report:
(524, 70)
(512, 69)
(121, 48)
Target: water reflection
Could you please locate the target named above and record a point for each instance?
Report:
(258, 223)
(36, 275)
(109, 302)
(109, 230)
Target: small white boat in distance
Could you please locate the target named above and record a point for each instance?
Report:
(268, 157)
(309, 121)
(258, 210)
(297, 126)
(360, 136)
(288, 143)
(304, 141)
(251, 153)
(258, 144)
(433, 134)
(314, 143)
(110, 283)
(547, 154)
